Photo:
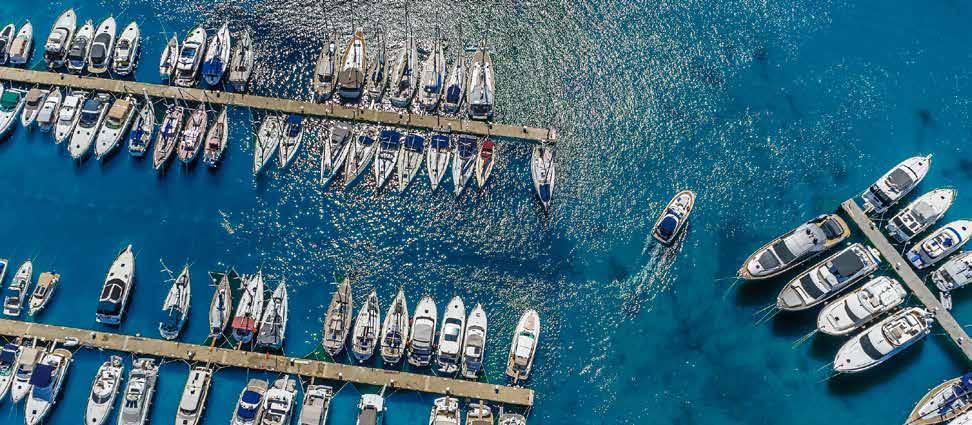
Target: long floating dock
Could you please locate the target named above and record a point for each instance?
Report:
(281, 364)
(903, 268)
(323, 110)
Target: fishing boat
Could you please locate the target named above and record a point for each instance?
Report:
(795, 247)
(21, 385)
(852, 311)
(828, 278)
(77, 56)
(878, 343)
(278, 405)
(22, 45)
(394, 332)
(438, 153)
(190, 58)
(335, 152)
(93, 113)
(674, 218)
(378, 72)
(59, 41)
(116, 125)
(102, 45)
(168, 137)
(389, 143)
(46, 382)
(895, 184)
(139, 391)
(920, 214)
(11, 103)
(293, 133)
(32, 105)
(104, 390)
(249, 408)
(118, 286)
(175, 309)
(954, 274)
(511, 418)
(220, 308)
(16, 292)
(337, 320)
(946, 402)
(940, 244)
(455, 86)
(241, 65)
(217, 56)
(216, 140)
(6, 38)
(68, 115)
(8, 364)
(366, 329)
(351, 77)
(317, 402)
(325, 72)
(543, 170)
(450, 336)
(482, 87)
(250, 309)
(485, 161)
(140, 136)
(170, 56)
(474, 343)
(191, 138)
(479, 414)
(362, 151)
(410, 157)
(523, 349)
(421, 340)
(48, 111)
(432, 80)
(273, 325)
(43, 291)
(404, 79)
(125, 56)
(193, 401)
(371, 410)
(463, 162)
(267, 140)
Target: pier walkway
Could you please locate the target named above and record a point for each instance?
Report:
(323, 110)
(246, 359)
(953, 329)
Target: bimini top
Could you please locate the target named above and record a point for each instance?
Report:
(43, 375)
(8, 355)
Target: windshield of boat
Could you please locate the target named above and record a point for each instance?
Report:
(422, 335)
(451, 331)
(189, 51)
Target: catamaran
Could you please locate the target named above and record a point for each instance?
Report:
(389, 143)
(77, 55)
(250, 309)
(474, 343)
(117, 288)
(191, 139)
(58, 43)
(43, 291)
(102, 45)
(116, 125)
(249, 408)
(362, 151)
(394, 332)
(16, 292)
(190, 57)
(193, 401)
(895, 184)
(273, 325)
(366, 328)
(410, 157)
(175, 309)
(104, 389)
(523, 349)
(337, 320)
(220, 308)
(139, 392)
(140, 136)
(241, 65)
(795, 247)
(293, 133)
(463, 162)
(46, 382)
(68, 115)
(828, 278)
(126, 50)
(216, 140)
(335, 152)
(217, 56)
(450, 336)
(168, 137)
(93, 113)
(421, 340)
(351, 78)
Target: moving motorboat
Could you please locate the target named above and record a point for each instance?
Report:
(485, 161)
(450, 336)
(220, 308)
(828, 278)
(22, 45)
(170, 57)
(48, 111)
(463, 162)
(523, 349)
(938, 245)
(8, 364)
(267, 140)
(479, 414)
(445, 411)
(946, 402)
(371, 409)
(241, 65)
(93, 112)
(58, 43)
(365, 336)
(16, 292)
(878, 343)
(317, 401)
(474, 343)
(278, 405)
(117, 288)
(250, 309)
(216, 140)
(249, 408)
(543, 170)
(191, 138)
(337, 320)
(43, 291)
(32, 105)
(482, 86)
(104, 389)
(673, 219)
(432, 79)
(389, 144)
(438, 153)
(125, 56)
(852, 311)
(335, 152)
(421, 340)
(954, 274)
(168, 137)
(920, 214)
(394, 332)
(455, 86)
(140, 136)
(795, 247)
(351, 77)
(362, 151)
(11, 103)
(325, 72)
(68, 115)
(404, 79)
(217, 56)
(102, 46)
(175, 309)
(895, 184)
(139, 391)
(116, 125)
(193, 400)
(378, 72)
(410, 158)
(26, 362)
(46, 382)
(273, 325)
(293, 133)
(190, 58)
(77, 55)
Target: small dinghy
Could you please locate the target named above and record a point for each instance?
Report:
(117, 288)
(421, 340)
(170, 55)
(47, 381)
(485, 161)
(77, 56)
(463, 162)
(938, 245)
(404, 79)
(378, 72)
(337, 321)
(139, 392)
(946, 402)
(126, 50)
(524, 346)
(250, 309)
(48, 112)
(432, 79)
(278, 404)
(168, 137)
(828, 278)
(68, 115)
(317, 401)
(191, 139)
(8, 363)
(220, 308)
(895, 184)
(104, 389)
(15, 293)
(59, 41)
(93, 113)
(22, 45)
(474, 343)
(362, 151)
(217, 56)
(11, 104)
(351, 77)
(878, 343)
(216, 140)
(852, 311)
(117, 122)
(450, 336)
(26, 364)
(437, 161)
(389, 147)
(194, 393)
(673, 219)
(482, 87)
(479, 414)
(795, 247)
(273, 325)
(43, 291)
(325, 72)
(455, 88)
(102, 45)
(140, 136)
(267, 140)
(366, 329)
(241, 65)
(410, 157)
(175, 309)
(293, 134)
(6, 38)
(335, 152)
(249, 408)
(543, 170)
(32, 106)
(919, 215)
(954, 274)
(190, 58)
(394, 332)
(445, 411)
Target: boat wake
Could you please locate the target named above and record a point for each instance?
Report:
(654, 276)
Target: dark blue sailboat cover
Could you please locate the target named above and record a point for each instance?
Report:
(415, 142)
(453, 94)
(962, 392)
(390, 138)
(467, 146)
(439, 142)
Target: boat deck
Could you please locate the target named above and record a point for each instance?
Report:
(252, 360)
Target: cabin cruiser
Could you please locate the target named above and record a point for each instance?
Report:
(102, 45)
(26, 362)
(58, 43)
(543, 170)
(140, 136)
(828, 278)
(445, 411)
(194, 394)
(674, 218)
(394, 332)
(191, 139)
(68, 115)
(217, 56)
(421, 340)
(479, 414)
(22, 45)
(77, 55)
(168, 137)
(46, 383)
(11, 104)
(337, 320)
(463, 161)
(170, 56)
(117, 288)
(410, 158)
(523, 349)
(480, 95)
(850, 312)
(220, 308)
(32, 105)
(450, 336)
(511, 418)
(216, 140)
(293, 133)
(104, 389)
(93, 112)
(241, 65)
(325, 72)
(795, 247)
(389, 143)
(895, 184)
(273, 326)
(955, 273)
(474, 343)
(139, 391)
(8, 363)
(362, 151)
(404, 79)
(432, 79)
(438, 153)
(920, 214)
(366, 329)
(190, 58)
(249, 408)
(116, 125)
(378, 72)
(878, 343)
(485, 161)
(371, 409)
(938, 245)
(43, 291)
(946, 402)
(278, 405)
(317, 401)
(455, 86)
(335, 152)
(6, 38)
(126, 50)
(351, 77)
(175, 309)
(48, 111)
(250, 309)
(267, 140)
(16, 292)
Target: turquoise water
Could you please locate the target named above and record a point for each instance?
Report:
(773, 112)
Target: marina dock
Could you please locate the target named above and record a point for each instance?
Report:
(273, 363)
(322, 110)
(902, 267)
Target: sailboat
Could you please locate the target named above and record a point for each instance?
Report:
(273, 325)
(485, 161)
(216, 140)
(351, 77)
(335, 152)
(362, 151)
(543, 169)
(293, 134)
(250, 309)
(463, 162)
(394, 332)
(220, 308)
(241, 65)
(482, 87)
(455, 87)
(170, 55)
(404, 79)
(325, 73)
(176, 306)
(217, 56)
(366, 328)
(140, 136)
(168, 137)
(337, 321)
(433, 79)
(389, 142)
(378, 72)
(410, 158)
(191, 139)
(267, 140)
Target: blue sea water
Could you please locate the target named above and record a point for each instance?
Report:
(773, 112)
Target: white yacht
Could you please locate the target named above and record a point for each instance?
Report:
(394, 332)
(241, 65)
(432, 79)
(317, 402)
(140, 136)
(168, 138)
(249, 408)
(479, 414)
(191, 139)
(674, 218)
(485, 161)
(11, 103)
(68, 115)
(404, 79)
(948, 401)
(325, 71)
(6, 38)
(523, 349)
(217, 56)
(543, 170)
(795, 247)
(410, 158)
(8, 364)
(28, 359)
(117, 122)
(47, 380)
(878, 343)
(16, 292)
(378, 71)
(273, 324)
(139, 392)
(217, 138)
(895, 184)
(32, 106)
(421, 340)
(267, 141)
(451, 335)
(290, 138)
(102, 45)
(43, 291)
(220, 308)
(193, 401)
(955, 273)
(455, 87)
(170, 56)
(250, 309)
(117, 288)
(463, 162)
(371, 410)
(190, 57)
(337, 320)
(511, 418)
(104, 389)
(48, 111)
(365, 336)
(175, 309)
(77, 55)
(351, 77)
(335, 152)
(362, 151)
(919, 215)
(125, 56)
(389, 144)
(474, 343)
(93, 112)
(22, 45)
(58, 43)
(940, 244)
(828, 278)
(480, 95)
(852, 311)
(278, 404)
(445, 411)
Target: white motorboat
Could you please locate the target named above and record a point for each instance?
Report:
(920, 214)
(511, 418)
(674, 218)
(421, 340)
(940, 244)
(175, 309)
(351, 77)
(455, 87)
(216, 140)
(404, 79)
(6, 38)
(451, 336)
(104, 390)
(523, 349)
(117, 289)
(16, 292)
(43, 291)
(59, 41)
(168, 138)
(463, 162)
(479, 414)
(250, 309)
(895, 184)
(26, 362)
(11, 104)
(335, 152)
(325, 71)
(290, 138)
(93, 112)
(445, 411)
(378, 71)
(394, 332)
(249, 408)
(77, 55)
(432, 79)
(317, 402)
(795, 247)
(365, 335)
(139, 392)
(878, 343)
(22, 45)
(852, 311)
(273, 325)
(191, 139)
(410, 157)
(48, 111)
(190, 58)
(140, 136)
(543, 170)
(480, 96)
(241, 65)
(948, 401)
(389, 144)
(220, 308)
(68, 115)
(32, 105)
(170, 56)
(102, 46)
(362, 151)
(47, 380)
(437, 162)
(125, 55)
(267, 141)
(193, 400)
(955, 273)
(485, 161)
(117, 122)
(217, 56)
(278, 404)
(371, 410)
(474, 343)
(8, 364)
(337, 320)
(828, 278)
